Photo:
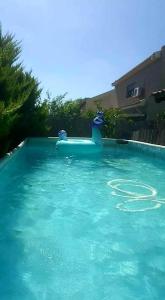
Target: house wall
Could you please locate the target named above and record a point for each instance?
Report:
(105, 101)
(151, 77)
(148, 78)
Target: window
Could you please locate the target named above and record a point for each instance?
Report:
(130, 90)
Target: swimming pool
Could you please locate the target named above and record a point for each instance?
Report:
(82, 227)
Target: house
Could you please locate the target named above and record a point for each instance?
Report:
(137, 91)
(102, 101)
(140, 92)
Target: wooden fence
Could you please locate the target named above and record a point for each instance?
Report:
(150, 135)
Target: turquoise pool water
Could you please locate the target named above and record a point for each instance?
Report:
(79, 228)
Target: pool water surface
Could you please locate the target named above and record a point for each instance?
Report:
(79, 228)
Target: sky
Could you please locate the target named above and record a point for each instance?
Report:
(82, 46)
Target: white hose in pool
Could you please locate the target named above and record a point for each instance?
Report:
(133, 197)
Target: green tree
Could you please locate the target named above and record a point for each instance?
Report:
(21, 109)
(66, 115)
